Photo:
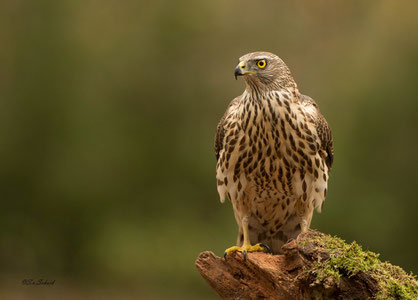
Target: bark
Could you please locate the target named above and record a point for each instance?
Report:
(286, 276)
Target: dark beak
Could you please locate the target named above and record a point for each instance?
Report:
(238, 72)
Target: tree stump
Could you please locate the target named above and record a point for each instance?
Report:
(314, 266)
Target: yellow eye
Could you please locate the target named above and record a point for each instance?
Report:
(261, 64)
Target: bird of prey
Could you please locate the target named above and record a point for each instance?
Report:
(274, 152)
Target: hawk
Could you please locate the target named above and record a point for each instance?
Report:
(274, 152)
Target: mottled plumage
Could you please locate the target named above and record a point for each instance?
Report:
(274, 152)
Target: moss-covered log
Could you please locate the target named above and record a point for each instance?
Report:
(314, 266)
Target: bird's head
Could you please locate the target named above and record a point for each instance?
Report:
(264, 70)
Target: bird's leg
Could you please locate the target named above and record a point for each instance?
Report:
(304, 215)
(303, 226)
(246, 246)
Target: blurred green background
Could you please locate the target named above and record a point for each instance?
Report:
(107, 118)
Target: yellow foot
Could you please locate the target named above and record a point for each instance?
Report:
(260, 247)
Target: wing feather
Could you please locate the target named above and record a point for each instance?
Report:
(323, 130)
(220, 129)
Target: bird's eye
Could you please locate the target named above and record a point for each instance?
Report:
(261, 63)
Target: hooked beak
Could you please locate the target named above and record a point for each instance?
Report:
(240, 70)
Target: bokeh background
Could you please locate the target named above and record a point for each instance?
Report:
(108, 111)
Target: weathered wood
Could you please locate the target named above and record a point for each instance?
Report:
(286, 276)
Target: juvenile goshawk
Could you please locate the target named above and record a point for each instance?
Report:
(274, 152)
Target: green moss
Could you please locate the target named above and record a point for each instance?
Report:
(395, 283)
(350, 259)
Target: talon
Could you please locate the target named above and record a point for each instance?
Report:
(265, 247)
(246, 249)
(289, 240)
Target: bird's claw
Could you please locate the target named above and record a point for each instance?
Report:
(290, 240)
(260, 247)
(265, 247)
